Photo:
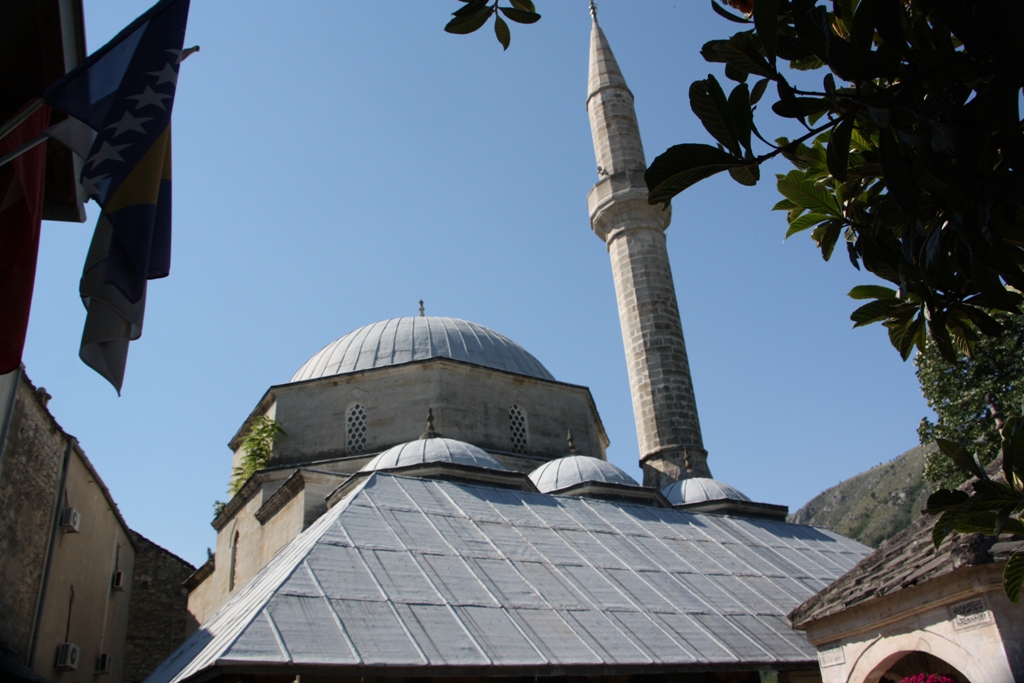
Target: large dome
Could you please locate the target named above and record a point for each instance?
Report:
(402, 340)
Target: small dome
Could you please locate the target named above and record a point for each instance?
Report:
(571, 470)
(437, 449)
(699, 490)
(403, 340)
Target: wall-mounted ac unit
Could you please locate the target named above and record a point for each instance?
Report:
(67, 656)
(70, 520)
(118, 581)
(102, 664)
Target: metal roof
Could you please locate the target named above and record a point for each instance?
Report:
(437, 449)
(440, 577)
(571, 470)
(403, 340)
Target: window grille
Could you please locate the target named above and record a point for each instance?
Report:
(356, 429)
(517, 428)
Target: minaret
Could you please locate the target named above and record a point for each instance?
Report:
(671, 447)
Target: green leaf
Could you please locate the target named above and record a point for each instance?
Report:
(735, 74)
(470, 22)
(524, 5)
(838, 155)
(943, 527)
(758, 90)
(961, 458)
(722, 12)
(799, 107)
(804, 222)
(707, 100)
(1013, 576)
(873, 312)
(766, 22)
(943, 500)
(806, 194)
(746, 175)
(680, 166)
(743, 54)
(520, 16)
(871, 292)
(501, 31)
(741, 115)
(896, 173)
(826, 236)
(784, 205)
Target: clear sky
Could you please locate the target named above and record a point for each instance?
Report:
(335, 162)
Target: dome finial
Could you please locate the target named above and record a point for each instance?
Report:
(422, 313)
(593, 10)
(572, 444)
(431, 433)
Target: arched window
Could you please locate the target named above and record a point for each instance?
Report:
(517, 429)
(355, 428)
(233, 566)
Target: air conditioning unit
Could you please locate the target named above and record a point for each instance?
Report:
(67, 656)
(102, 664)
(118, 582)
(70, 520)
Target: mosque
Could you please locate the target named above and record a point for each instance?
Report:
(439, 506)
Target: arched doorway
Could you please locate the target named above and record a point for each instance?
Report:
(904, 664)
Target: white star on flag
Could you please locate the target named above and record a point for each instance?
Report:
(90, 185)
(148, 97)
(129, 122)
(106, 151)
(165, 75)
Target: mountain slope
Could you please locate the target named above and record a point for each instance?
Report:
(874, 505)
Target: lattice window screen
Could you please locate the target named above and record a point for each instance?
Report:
(517, 428)
(356, 429)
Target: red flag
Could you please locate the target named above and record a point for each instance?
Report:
(21, 211)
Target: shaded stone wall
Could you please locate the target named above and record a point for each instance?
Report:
(31, 460)
(158, 614)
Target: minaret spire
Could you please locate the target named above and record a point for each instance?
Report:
(668, 430)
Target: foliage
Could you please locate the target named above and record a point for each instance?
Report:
(962, 394)
(910, 152)
(475, 13)
(928, 678)
(257, 445)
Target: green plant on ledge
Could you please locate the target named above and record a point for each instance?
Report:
(257, 445)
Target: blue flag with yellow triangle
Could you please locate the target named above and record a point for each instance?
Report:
(124, 92)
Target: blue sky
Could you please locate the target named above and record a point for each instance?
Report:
(335, 162)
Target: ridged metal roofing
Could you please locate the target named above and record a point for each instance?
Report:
(438, 449)
(433, 577)
(571, 470)
(700, 489)
(402, 340)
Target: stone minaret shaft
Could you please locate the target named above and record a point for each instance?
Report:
(671, 447)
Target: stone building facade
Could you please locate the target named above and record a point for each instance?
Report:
(68, 560)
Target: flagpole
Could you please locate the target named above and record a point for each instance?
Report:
(26, 112)
(14, 154)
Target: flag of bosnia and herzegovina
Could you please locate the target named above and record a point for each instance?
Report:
(124, 92)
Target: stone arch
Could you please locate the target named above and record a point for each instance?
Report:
(884, 653)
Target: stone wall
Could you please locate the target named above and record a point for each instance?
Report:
(31, 460)
(158, 614)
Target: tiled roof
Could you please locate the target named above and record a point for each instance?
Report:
(446, 577)
(907, 559)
